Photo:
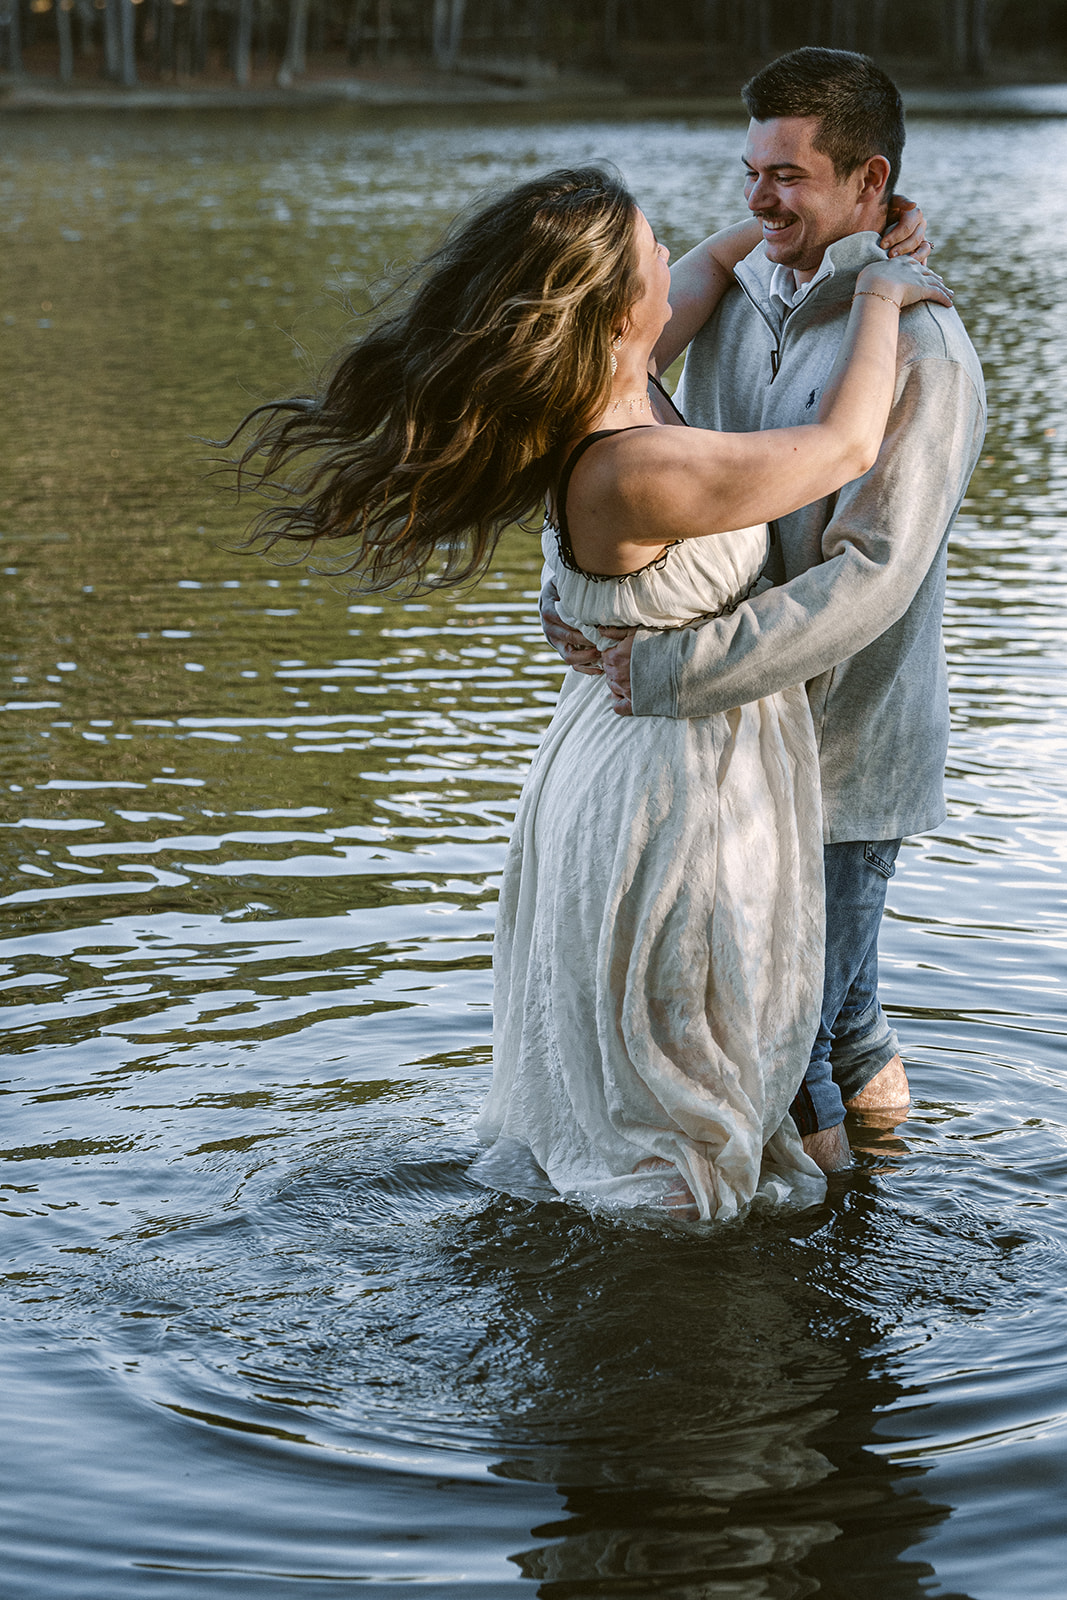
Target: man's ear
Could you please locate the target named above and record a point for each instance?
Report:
(875, 177)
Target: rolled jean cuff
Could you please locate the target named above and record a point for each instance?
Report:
(870, 1044)
(819, 1103)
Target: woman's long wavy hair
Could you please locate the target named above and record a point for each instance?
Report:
(448, 421)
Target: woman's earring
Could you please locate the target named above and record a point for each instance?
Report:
(616, 344)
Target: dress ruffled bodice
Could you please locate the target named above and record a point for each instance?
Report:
(697, 578)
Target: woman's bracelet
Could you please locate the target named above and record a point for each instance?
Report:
(888, 298)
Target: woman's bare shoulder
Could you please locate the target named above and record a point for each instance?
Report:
(627, 488)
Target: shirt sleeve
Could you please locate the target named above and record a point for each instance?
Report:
(882, 537)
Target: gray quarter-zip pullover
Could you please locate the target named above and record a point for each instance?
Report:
(859, 577)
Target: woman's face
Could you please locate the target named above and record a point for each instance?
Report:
(650, 314)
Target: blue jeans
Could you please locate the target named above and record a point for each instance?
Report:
(854, 1041)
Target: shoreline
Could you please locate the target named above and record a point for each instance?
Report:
(563, 96)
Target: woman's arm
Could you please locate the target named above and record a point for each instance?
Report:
(650, 486)
(698, 282)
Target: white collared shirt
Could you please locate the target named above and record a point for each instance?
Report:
(787, 293)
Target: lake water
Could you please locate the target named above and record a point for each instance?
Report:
(260, 1334)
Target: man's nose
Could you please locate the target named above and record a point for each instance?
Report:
(759, 195)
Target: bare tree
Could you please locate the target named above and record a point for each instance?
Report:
(294, 61)
(127, 44)
(756, 15)
(241, 47)
(112, 40)
(385, 29)
(447, 32)
(357, 22)
(967, 37)
(10, 25)
(66, 41)
(86, 14)
(198, 36)
(165, 36)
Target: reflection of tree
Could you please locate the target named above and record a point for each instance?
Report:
(703, 1405)
(657, 43)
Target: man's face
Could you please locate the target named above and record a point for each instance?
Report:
(797, 195)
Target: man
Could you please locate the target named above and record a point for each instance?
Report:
(859, 578)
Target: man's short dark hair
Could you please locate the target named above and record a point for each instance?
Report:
(859, 108)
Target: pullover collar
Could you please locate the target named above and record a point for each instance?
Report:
(835, 281)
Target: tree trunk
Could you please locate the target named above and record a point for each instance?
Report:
(756, 16)
(978, 41)
(66, 41)
(439, 35)
(10, 22)
(294, 61)
(716, 27)
(455, 34)
(385, 29)
(446, 34)
(448, 18)
(127, 29)
(165, 21)
(198, 37)
(86, 22)
(956, 40)
(242, 44)
(357, 17)
(112, 40)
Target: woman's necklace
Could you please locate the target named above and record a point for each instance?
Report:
(637, 402)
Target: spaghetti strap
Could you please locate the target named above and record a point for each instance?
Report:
(563, 532)
(657, 385)
(561, 526)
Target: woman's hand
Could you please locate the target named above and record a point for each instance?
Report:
(904, 281)
(905, 233)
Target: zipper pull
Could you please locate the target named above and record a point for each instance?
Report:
(775, 361)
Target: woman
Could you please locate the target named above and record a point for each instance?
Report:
(658, 959)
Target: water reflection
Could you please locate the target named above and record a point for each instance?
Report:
(707, 1410)
(748, 1398)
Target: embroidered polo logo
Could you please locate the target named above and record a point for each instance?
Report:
(810, 401)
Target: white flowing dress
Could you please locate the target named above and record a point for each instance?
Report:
(658, 959)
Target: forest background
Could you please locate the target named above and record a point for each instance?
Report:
(537, 47)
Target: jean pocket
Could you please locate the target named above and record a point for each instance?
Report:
(882, 856)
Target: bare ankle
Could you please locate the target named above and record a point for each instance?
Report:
(828, 1148)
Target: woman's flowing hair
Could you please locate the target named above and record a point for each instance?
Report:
(447, 422)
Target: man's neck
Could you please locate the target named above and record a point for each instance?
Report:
(875, 223)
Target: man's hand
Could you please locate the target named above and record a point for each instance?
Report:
(573, 646)
(616, 668)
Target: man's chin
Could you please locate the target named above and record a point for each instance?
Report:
(795, 256)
